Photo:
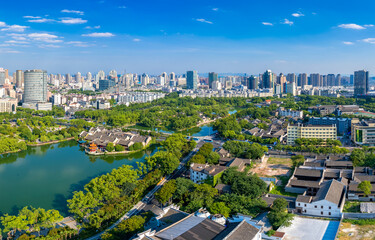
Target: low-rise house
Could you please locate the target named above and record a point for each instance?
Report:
(289, 113)
(200, 172)
(328, 202)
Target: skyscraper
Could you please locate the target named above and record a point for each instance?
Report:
(78, 77)
(172, 76)
(291, 77)
(338, 80)
(192, 79)
(281, 79)
(19, 78)
(302, 79)
(2, 76)
(268, 79)
(331, 79)
(211, 78)
(361, 81)
(88, 77)
(67, 78)
(315, 79)
(252, 82)
(35, 86)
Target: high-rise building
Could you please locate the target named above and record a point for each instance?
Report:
(212, 76)
(361, 82)
(19, 78)
(291, 77)
(101, 75)
(252, 82)
(172, 76)
(331, 79)
(166, 79)
(68, 78)
(88, 77)
(323, 80)
(78, 77)
(105, 84)
(113, 74)
(302, 79)
(192, 79)
(281, 79)
(291, 88)
(268, 80)
(35, 86)
(315, 79)
(338, 80)
(2, 76)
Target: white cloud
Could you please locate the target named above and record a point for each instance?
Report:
(32, 17)
(368, 25)
(94, 27)
(97, 34)
(351, 26)
(73, 20)
(215, 9)
(122, 7)
(16, 42)
(203, 20)
(286, 21)
(49, 46)
(136, 40)
(72, 11)
(78, 44)
(44, 37)
(14, 28)
(40, 20)
(267, 24)
(17, 36)
(369, 40)
(298, 14)
(348, 43)
(2, 24)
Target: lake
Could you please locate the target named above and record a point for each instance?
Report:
(46, 176)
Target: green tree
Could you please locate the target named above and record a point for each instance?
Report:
(279, 216)
(166, 192)
(298, 160)
(206, 149)
(119, 148)
(366, 187)
(213, 158)
(197, 158)
(166, 161)
(110, 147)
(220, 208)
(358, 157)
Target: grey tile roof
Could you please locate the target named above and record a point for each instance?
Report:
(332, 191)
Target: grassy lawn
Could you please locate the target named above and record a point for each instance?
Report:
(357, 229)
(279, 190)
(354, 207)
(280, 161)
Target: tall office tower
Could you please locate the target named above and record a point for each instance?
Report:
(351, 79)
(172, 76)
(302, 79)
(6, 73)
(291, 88)
(192, 79)
(113, 74)
(2, 76)
(331, 79)
(68, 78)
(323, 80)
(281, 79)
(361, 82)
(212, 76)
(35, 86)
(165, 76)
(59, 77)
(338, 80)
(291, 77)
(145, 80)
(268, 79)
(88, 77)
(78, 77)
(228, 84)
(315, 79)
(19, 78)
(101, 75)
(252, 82)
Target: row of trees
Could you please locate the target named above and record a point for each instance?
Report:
(245, 149)
(205, 155)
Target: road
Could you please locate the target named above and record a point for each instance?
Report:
(149, 196)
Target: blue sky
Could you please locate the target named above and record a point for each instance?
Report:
(154, 36)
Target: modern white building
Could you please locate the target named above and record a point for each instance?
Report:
(200, 172)
(290, 113)
(311, 131)
(35, 94)
(328, 202)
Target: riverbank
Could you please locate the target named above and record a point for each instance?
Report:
(51, 142)
(120, 153)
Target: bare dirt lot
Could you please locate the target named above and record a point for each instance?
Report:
(273, 167)
(349, 231)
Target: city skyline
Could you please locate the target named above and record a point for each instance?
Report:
(202, 35)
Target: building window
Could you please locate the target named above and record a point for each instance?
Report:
(329, 213)
(329, 207)
(322, 207)
(321, 213)
(299, 204)
(305, 204)
(316, 206)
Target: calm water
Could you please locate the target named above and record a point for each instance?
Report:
(46, 176)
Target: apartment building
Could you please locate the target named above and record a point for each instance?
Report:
(363, 132)
(311, 131)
